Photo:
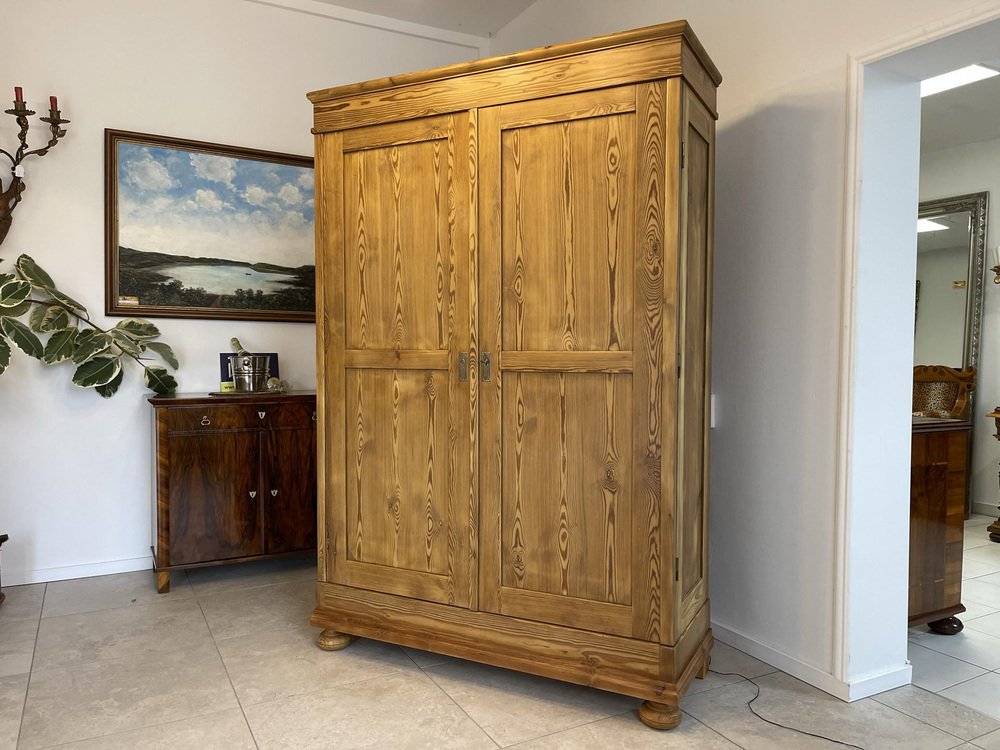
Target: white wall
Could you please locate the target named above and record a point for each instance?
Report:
(972, 168)
(75, 469)
(780, 239)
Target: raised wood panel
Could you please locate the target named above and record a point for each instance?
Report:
(214, 501)
(564, 247)
(567, 478)
(402, 522)
(695, 326)
(397, 482)
(397, 217)
(289, 492)
(568, 204)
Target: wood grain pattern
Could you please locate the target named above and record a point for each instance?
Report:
(564, 439)
(331, 442)
(396, 490)
(534, 209)
(490, 336)
(636, 63)
(399, 238)
(649, 318)
(212, 512)
(567, 192)
(939, 463)
(406, 295)
(672, 91)
(566, 49)
(695, 383)
(289, 489)
(524, 361)
(623, 665)
(213, 482)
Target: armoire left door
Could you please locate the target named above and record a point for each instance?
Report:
(395, 199)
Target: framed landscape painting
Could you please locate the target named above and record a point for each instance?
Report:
(202, 230)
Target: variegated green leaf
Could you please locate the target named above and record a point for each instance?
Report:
(159, 380)
(4, 354)
(60, 346)
(33, 273)
(140, 329)
(13, 293)
(164, 351)
(21, 336)
(109, 389)
(68, 301)
(17, 311)
(5, 277)
(97, 371)
(125, 342)
(89, 344)
(45, 318)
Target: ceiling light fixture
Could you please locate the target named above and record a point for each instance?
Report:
(956, 78)
(928, 225)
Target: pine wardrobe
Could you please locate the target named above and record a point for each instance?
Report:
(514, 267)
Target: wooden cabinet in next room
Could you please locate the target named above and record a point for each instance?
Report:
(235, 479)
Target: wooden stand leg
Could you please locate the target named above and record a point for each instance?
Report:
(994, 529)
(162, 581)
(659, 715)
(946, 626)
(331, 640)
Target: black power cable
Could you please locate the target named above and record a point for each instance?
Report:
(776, 723)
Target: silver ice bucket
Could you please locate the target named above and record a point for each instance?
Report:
(250, 371)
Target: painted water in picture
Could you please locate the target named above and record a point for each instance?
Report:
(203, 234)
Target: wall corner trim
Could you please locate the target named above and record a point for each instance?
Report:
(21, 577)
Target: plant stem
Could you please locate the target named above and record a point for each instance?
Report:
(88, 321)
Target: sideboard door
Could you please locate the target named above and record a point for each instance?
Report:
(571, 300)
(395, 199)
(215, 499)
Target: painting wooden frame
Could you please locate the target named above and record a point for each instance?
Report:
(205, 230)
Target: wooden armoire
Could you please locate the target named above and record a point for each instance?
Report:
(514, 267)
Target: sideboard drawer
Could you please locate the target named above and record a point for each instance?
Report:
(206, 418)
(292, 416)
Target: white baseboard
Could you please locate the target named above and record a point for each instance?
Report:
(846, 691)
(17, 577)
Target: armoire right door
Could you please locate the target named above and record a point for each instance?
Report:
(576, 318)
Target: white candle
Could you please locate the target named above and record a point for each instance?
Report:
(996, 255)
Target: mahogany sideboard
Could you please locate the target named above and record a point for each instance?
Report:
(235, 479)
(939, 464)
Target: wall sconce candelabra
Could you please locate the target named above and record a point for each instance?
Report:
(11, 196)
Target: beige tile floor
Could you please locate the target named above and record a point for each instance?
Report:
(226, 660)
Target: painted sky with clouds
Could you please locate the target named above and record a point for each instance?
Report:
(188, 203)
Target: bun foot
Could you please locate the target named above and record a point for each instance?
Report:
(659, 715)
(331, 640)
(946, 626)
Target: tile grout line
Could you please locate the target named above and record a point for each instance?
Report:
(927, 723)
(31, 667)
(222, 661)
(456, 703)
(128, 730)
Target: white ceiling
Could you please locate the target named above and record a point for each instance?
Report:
(968, 114)
(478, 17)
